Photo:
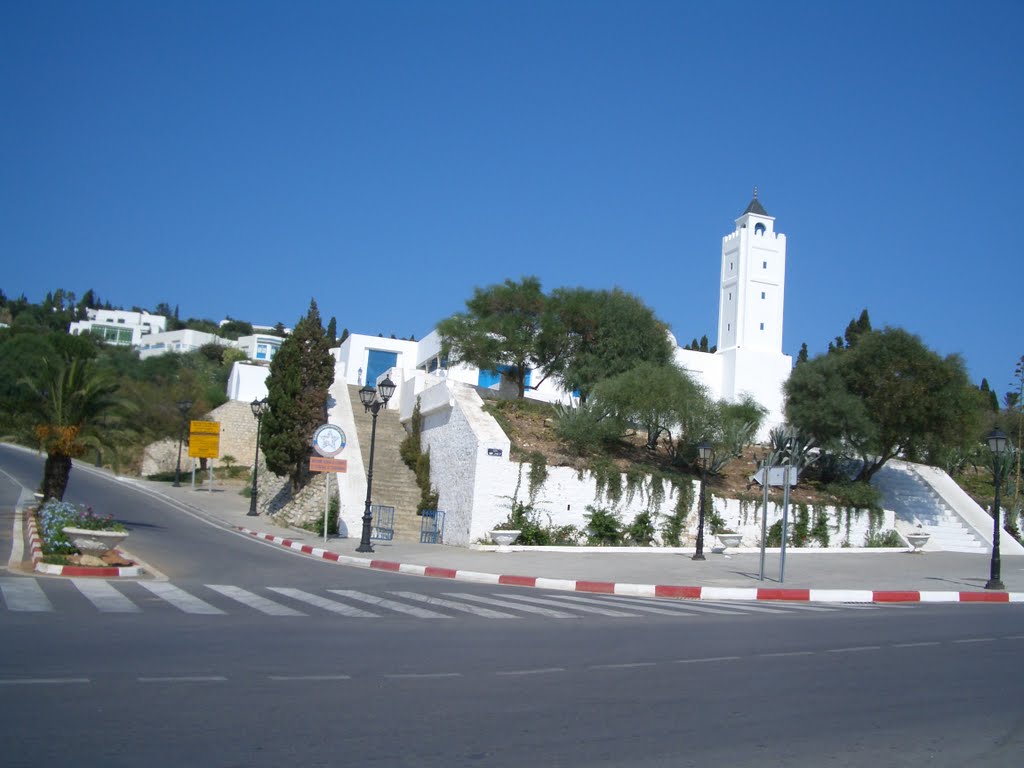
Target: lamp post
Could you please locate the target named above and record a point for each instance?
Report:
(259, 407)
(999, 444)
(373, 400)
(704, 451)
(183, 406)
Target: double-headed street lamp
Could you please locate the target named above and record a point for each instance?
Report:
(373, 400)
(259, 407)
(704, 452)
(184, 406)
(999, 444)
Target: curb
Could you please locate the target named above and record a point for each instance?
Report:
(651, 590)
(36, 546)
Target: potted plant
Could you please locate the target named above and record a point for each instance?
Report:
(917, 539)
(729, 539)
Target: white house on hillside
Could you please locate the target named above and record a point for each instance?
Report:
(118, 327)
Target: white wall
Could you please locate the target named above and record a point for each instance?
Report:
(181, 341)
(247, 381)
(353, 356)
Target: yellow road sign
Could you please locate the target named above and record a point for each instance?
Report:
(204, 440)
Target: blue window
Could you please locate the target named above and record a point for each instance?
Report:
(490, 378)
(377, 363)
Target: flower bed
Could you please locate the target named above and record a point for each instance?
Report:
(57, 548)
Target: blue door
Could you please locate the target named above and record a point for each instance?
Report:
(378, 362)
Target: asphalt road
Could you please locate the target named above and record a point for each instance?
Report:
(165, 684)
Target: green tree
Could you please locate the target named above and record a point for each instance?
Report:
(588, 336)
(235, 329)
(300, 374)
(664, 401)
(72, 400)
(332, 332)
(802, 355)
(498, 330)
(886, 396)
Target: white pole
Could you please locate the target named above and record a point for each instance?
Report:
(764, 516)
(327, 500)
(785, 521)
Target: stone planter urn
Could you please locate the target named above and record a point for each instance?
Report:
(917, 540)
(729, 540)
(504, 539)
(94, 543)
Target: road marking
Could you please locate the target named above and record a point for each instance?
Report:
(634, 605)
(624, 665)
(311, 678)
(707, 660)
(855, 649)
(322, 602)
(424, 675)
(976, 640)
(47, 681)
(914, 645)
(560, 604)
(180, 599)
(23, 594)
(523, 672)
(456, 606)
(383, 602)
(103, 595)
(260, 603)
(782, 654)
(184, 679)
(516, 606)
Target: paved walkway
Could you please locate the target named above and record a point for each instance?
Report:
(861, 575)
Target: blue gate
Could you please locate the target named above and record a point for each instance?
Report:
(383, 522)
(432, 526)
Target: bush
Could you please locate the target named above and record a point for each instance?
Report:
(603, 527)
(641, 531)
(56, 515)
(585, 429)
(889, 538)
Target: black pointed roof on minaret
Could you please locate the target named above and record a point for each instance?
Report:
(755, 206)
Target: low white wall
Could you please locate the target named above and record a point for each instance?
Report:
(477, 481)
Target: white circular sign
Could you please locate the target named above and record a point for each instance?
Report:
(329, 440)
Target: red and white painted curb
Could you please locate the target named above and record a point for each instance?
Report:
(652, 590)
(36, 545)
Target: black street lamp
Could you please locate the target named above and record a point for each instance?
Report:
(259, 407)
(184, 406)
(999, 444)
(704, 451)
(373, 400)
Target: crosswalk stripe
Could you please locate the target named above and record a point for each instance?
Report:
(322, 602)
(179, 598)
(740, 606)
(22, 594)
(516, 606)
(104, 596)
(633, 605)
(582, 608)
(260, 603)
(456, 606)
(383, 602)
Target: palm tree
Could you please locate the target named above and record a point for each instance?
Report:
(73, 400)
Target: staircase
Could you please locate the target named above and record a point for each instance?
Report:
(394, 484)
(916, 504)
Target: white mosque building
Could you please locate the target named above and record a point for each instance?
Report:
(748, 359)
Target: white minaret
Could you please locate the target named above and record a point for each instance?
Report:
(750, 313)
(753, 283)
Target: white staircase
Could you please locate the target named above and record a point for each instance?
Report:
(919, 507)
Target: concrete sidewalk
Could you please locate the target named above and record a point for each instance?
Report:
(862, 575)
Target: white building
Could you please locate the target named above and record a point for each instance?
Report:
(749, 358)
(260, 346)
(116, 326)
(181, 341)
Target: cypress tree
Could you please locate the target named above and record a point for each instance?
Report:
(301, 373)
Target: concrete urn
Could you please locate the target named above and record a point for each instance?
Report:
(94, 543)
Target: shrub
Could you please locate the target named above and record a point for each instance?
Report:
(889, 538)
(585, 428)
(603, 526)
(641, 531)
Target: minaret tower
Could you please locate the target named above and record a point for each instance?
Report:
(750, 313)
(753, 283)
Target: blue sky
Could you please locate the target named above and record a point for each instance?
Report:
(239, 158)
